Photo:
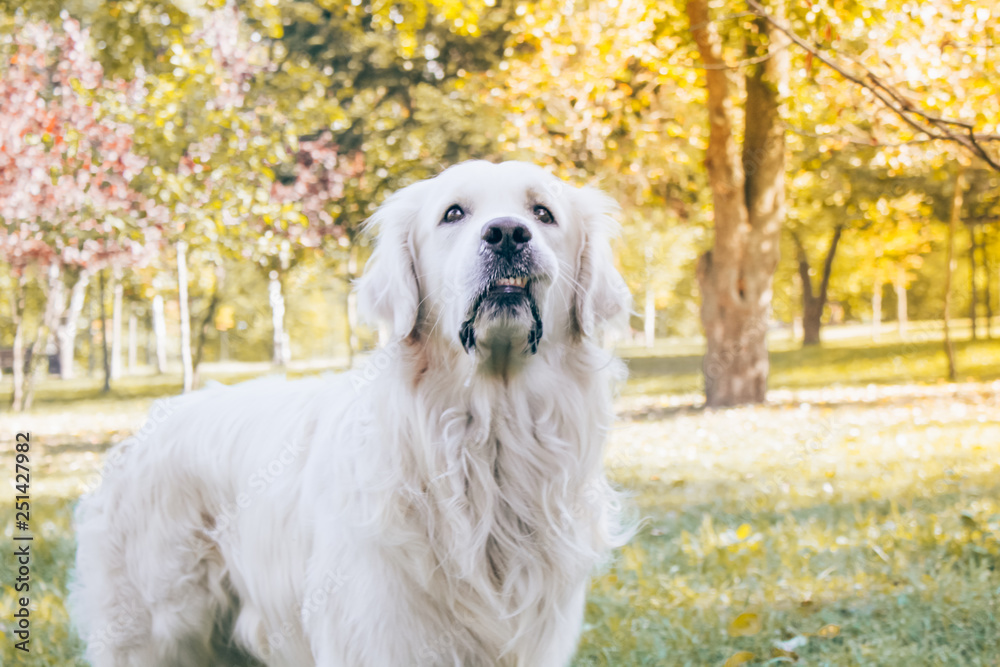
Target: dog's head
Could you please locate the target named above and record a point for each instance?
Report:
(494, 258)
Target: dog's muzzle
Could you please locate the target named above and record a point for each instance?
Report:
(508, 283)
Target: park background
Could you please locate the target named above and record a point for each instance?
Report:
(815, 185)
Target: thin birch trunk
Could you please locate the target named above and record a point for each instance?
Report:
(902, 318)
(276, 298)
(877, 308)
(185, 312)
(160, 333)
(116, 324)
(38, 352)
(104, 336)
(352, 306)
(649, 311)
(66, 334)
(17, 303)
(133, 341)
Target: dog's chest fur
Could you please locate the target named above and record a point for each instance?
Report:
(503, 513)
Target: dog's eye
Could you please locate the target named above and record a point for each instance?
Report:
(544, 215)
(453, 214)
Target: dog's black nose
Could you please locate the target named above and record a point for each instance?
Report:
(506, 236)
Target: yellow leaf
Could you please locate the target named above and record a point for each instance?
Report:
(739, 658)
(828, 631)
(745, 625)
(743, 532)
(782, 653)
(634, 557)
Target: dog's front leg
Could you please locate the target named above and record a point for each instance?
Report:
(552, 642)
(376, 617)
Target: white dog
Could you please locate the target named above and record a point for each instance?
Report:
(444, 505)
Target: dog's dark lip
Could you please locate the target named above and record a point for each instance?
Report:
(496, 288)
(501, 289)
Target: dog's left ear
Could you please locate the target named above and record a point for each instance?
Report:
(601, 293)
(388, 291)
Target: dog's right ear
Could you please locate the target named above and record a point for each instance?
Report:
(388, 291)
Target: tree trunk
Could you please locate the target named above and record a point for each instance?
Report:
(116, 323)
(814, 303)
(38, 352)
(213, 305)
(877, 308)
(91, 318)
(160, 333)
(899, 284)
(649, 314)
(812, 309)
(649, 317)
(987, 278)
(17, 303)
(66, 334)
(104, 338)
(185, 312)
(953, 221)
(351, 305)
(748, 194)
(133, 340)
(348, 326)
(276, 297)
(973, 297)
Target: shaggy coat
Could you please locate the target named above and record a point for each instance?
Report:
(445, 504)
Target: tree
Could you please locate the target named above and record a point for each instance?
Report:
(735, 276)
(954, 219)
(814, 301)
(65, 169)
(316, 187)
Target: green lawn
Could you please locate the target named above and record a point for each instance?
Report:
(853, 521)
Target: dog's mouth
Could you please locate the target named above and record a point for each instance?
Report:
(501, 293)
(508, 286)
(509, 299)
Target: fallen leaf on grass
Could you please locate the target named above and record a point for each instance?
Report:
(784, 656)
(828, 631)
(739, 658)
(745, 625)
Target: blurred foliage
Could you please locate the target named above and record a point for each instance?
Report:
(269, 130)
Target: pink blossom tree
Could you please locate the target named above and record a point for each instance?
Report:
(66, 202)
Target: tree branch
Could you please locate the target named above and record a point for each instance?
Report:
(923, 122)
(756, 60)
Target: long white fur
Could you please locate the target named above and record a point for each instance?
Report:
(416, 511)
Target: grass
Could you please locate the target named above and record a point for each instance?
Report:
(675, 367)
(853, 521)
(867, 533)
